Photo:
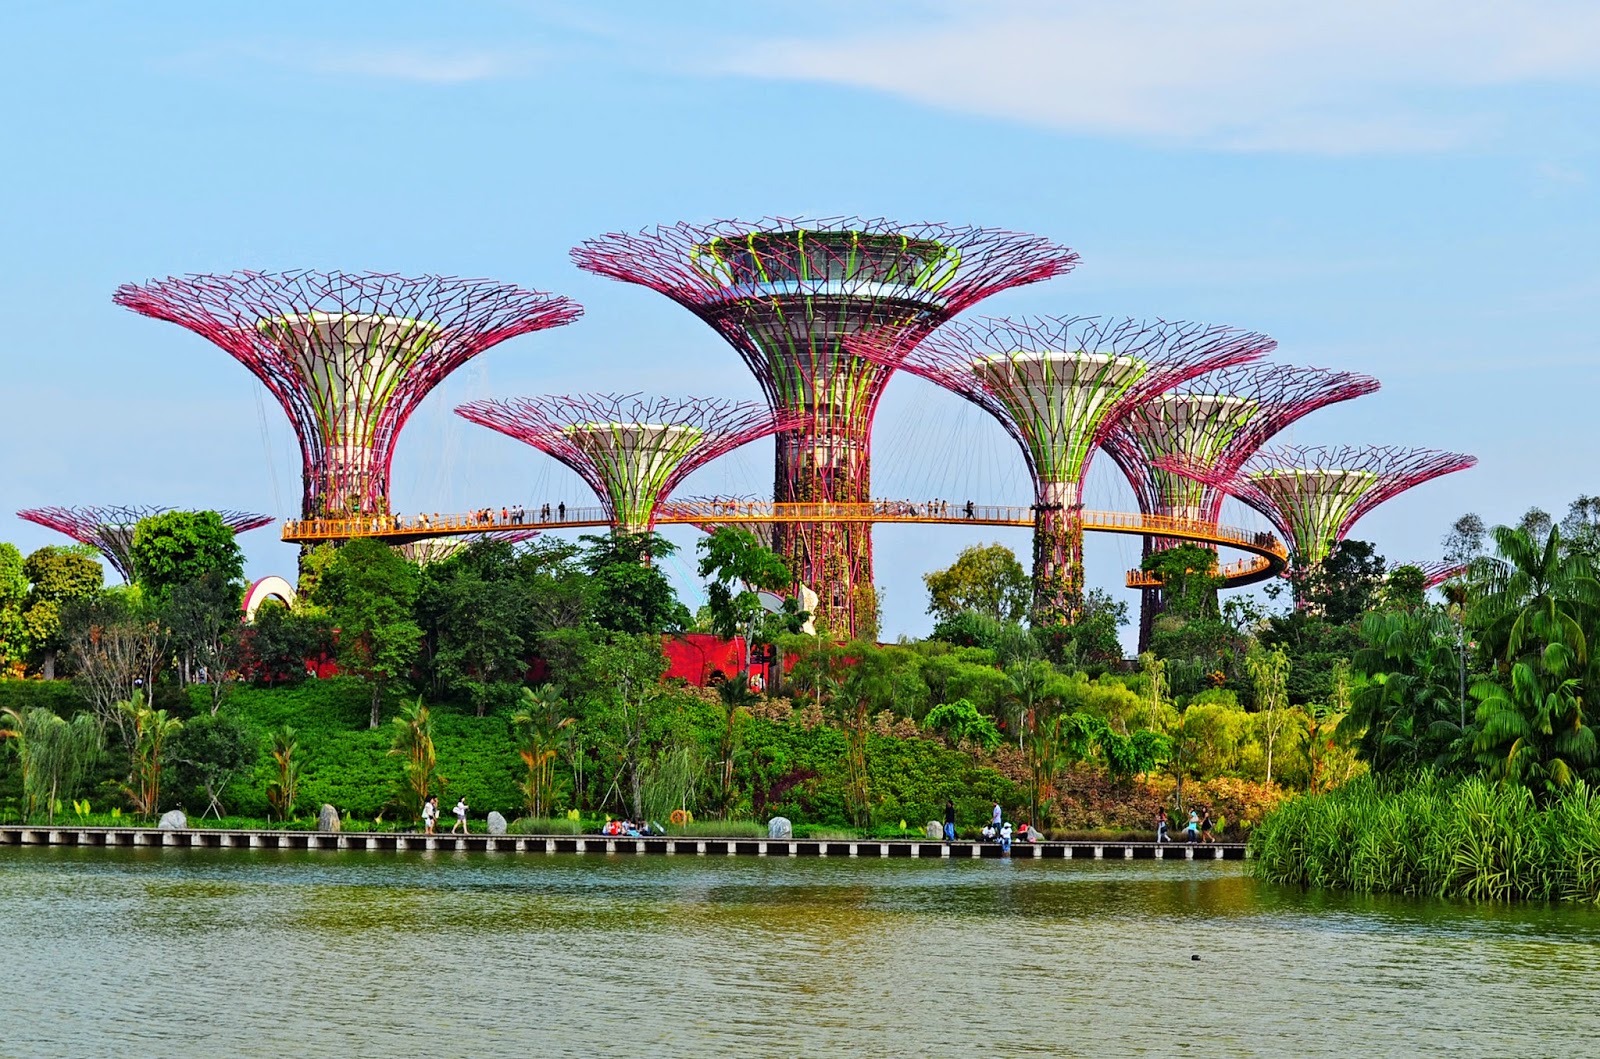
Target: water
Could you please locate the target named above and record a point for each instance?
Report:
(265, 953)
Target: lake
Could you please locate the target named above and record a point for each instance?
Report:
(265, 953)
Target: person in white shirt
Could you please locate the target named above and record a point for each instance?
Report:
(430, 813)
(461, 817)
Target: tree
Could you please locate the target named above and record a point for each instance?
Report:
(1189, 580)
(1093, 636)
(13, 603)
(1538, 602)
(985, 578)
(1344, 585)
(630, 595)
(477, 622)
(207, 630)
(56, 577)
(55, 754)
(413, 741)
(117, 649)
(1269, 671)
(370, 593)
(275, 648)
(182, 547)
(147, 751)
(734, 557)
(539, 730)
(1405, 715)
(962, 723)
(621, 675)
(212, 750)
(284, 787)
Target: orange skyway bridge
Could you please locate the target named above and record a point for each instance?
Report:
(1267, 557)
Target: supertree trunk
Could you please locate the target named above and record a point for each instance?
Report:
(834, 559)
(1057, 556)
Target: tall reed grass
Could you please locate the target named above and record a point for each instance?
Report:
(1472, 838)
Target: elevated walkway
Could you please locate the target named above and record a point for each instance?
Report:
(1267, 558)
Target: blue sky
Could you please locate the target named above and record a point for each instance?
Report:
(1410, 194)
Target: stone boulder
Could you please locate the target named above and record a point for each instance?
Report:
(934, 829)
(780, 827)
(328, 819)
(497, 823)
(173, 820)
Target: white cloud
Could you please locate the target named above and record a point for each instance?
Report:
(415, 64)
(1355, 76)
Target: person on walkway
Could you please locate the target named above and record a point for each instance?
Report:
(949, 820)
(430, 813)
(461, 817)
(1205, 826)
(1005, 838)
(1161, 825)
(1191, 831)
(996, 816)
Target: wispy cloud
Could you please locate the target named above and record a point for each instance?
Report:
(1359, 76)
(416, 64)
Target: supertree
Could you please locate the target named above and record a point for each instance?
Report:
(108, 528)
(632, 451)
(1058, 385)
(1314, 496)
(425, 551)
(705, 511)
(787, 294)
(1219, 419)
(349, 356)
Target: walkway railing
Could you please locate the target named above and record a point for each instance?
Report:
(1269, 554)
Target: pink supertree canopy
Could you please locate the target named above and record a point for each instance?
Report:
(632, 451)
(108, 528)
(1314, 496)
(787, 294)
(1219, 419)
(1059, 385)
(349, 356)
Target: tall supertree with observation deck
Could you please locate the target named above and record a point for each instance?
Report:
(1059, 385)
(349, 355)
(1220, 420)
(632, 450)
(108, 528)
(788, 294)
(1316, 495)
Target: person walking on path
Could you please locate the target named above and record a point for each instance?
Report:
(1161, 825)
(461, 817)
(1205, 826)
(1191, 831)
(949, 820)
(430, 813)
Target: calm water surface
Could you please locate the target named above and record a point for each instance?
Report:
(266, 953)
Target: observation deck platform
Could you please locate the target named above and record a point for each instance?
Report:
(416, 842)
(1268, 557)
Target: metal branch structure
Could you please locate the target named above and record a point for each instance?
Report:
(788, 294)
(349, 356)
(1218, 420)
(428, 550)
(1059, 385)
(1435, 572)
(730, 506)
(1314, 496)
(631, 450)
(108, 528)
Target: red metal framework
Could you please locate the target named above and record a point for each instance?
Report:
(1435, 572)
(731, 505)
(631, 450)
(1220, 419)
(108, 528)
(787, 294)
(349, 356)
(1059, 385)
(1314, 496)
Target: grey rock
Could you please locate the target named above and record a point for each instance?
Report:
(328, 819)
(173, 820)
(497, 823)
(780, 827)
(934, 829)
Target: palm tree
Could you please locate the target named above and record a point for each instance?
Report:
(151, 730)
(413, 740)
(1404, 716)
(1539, 600)
(539, 737)
(285, 787)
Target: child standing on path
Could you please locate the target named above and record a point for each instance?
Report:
(461, 817)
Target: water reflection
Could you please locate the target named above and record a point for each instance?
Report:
(208, 952)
